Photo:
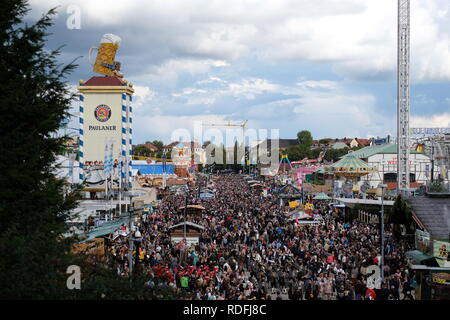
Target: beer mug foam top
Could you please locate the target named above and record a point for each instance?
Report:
(111, 38)
(106, 53)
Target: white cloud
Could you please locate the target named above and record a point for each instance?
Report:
(223, 42)
(250, 88)
(170, 70)
(433, 121)
(321, 84)
(358, 37)
(142, 94)
(246, 88)
(163, 126)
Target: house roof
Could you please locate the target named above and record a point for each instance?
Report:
(192, 144)
(151, 146)
(393, 185)
(339, 145)
(363, 142)
(434, 213)
(104, 81)
(193, 225)
(387, 148)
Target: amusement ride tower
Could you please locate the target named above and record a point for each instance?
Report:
(403, 102)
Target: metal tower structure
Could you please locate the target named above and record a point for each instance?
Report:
(403, 105)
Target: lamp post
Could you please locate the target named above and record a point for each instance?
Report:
(130, 242)
(137, 242)
(130, 194)
(184, 214)
(382, 187)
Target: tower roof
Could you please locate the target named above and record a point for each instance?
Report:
(104, 81)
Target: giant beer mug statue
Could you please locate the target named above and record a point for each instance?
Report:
(104, 62)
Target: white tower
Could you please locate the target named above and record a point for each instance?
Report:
(106, 114)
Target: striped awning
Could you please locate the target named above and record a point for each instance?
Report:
(350, 166)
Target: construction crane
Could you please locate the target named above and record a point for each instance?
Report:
(229, 124)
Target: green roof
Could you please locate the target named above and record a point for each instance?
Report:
(106, 228)
(350, 162)
(417, 256)
(322, 196)
(378, 149)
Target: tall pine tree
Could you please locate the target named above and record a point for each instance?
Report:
(33, 207)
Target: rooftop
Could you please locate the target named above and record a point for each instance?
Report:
(104, 81)
(378, 149)
(434, 213)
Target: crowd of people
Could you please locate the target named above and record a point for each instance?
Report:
(249, 249)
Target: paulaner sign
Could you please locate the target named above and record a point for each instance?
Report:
(102, 127)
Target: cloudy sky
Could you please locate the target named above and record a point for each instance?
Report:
(328, 66)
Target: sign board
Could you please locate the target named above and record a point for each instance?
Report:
(206, 195)
(381, 140)
(441, 249)
(189, 240)
(393, 161)
(441, 278)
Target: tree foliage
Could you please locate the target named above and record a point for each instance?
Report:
(335, 154)
(158, 143)
(141, 150)
(400, 214)
(33, 205)
(305, 139)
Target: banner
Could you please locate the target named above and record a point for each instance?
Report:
(441, 278)
(108, 158)
(441, 249)
(206, 195)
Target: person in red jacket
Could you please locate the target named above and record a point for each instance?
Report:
(370, 294)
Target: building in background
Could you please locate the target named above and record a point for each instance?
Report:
(383, 157)
(105, 114)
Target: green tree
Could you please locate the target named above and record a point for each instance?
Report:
(33, 206)
(158, 143)
(296, 153)
(335, 154)
(400, 214)
(315, 153)
(141, 150)
(305, 139)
